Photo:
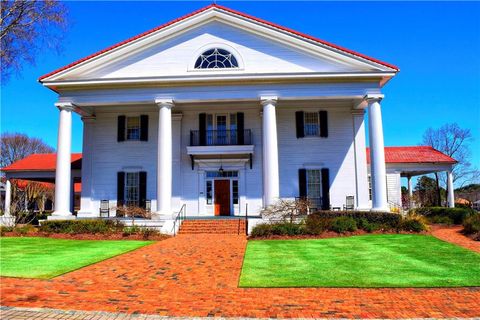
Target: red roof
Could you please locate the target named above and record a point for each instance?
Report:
(244, 15)
(416, 154)
(42, 162)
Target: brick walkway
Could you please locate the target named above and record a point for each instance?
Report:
(16, 313)
(197, 275)
(454, 235)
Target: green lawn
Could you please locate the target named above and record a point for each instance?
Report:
(46, 258)
(360, 261)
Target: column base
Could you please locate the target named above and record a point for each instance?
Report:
(85, 214)
(387, 209)
(57, 216)
(7, 221)
(163, 215)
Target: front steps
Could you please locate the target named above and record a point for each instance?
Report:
(213, 226)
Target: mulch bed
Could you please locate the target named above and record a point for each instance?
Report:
(87, 236)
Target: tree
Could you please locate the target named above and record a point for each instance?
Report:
(16, 146)
(26, 26)
(425, 192)
(454, 142)
(286, 210)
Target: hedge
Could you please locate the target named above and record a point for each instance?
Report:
(471, 226)
(82, 226)
(457, 215)
(341, 222)
(389, 219)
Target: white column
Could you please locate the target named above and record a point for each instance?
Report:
(164, 157)
(86, 198)
(410, 191)
(63, 171)
(451, 195)
(271, 188)
(361, 169)
(8, 198)
(377, 153)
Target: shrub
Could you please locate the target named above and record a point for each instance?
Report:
(471, 225)
(414, 223)
(82, 226)
(148, 232)
(343, 224)
(388, 220)
(315, 224)
(457, 215)
(131, 230)
(277, 229)
(368, 226)
(441, 220)
(5, 229)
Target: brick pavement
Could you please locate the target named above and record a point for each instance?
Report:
(454, 235)
(16, 313)
(197, 275)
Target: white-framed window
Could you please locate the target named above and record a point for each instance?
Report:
(311, 125)
(221, 128)
(235, 191)
(216, 58)
(132, 131)
(209, 191)
(314, 187)
(132, 188)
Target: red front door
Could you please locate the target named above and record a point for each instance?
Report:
(222, 197)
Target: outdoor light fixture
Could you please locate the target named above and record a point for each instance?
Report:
(220, 171)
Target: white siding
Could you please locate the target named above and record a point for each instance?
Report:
(335, 152)
(109, 156)
(176, 56)
(394, 189)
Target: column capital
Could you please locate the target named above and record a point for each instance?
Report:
(373, 97)
(69, 106)
(89, 119)
(264, 100)
(168, 103)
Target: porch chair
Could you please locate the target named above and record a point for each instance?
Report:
(104, 209)
(349, 203)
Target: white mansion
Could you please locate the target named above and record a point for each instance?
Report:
(220, 112)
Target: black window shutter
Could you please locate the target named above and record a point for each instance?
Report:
(323, 123)
(302, 183)
(144, 127)
(240, 128)
(142, 192)
(202, 131)
(325, 189)
(299, 124)
(120, 188)
(121, 128)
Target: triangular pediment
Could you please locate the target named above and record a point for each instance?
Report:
(259, 48)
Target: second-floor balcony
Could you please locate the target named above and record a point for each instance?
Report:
(220, 137)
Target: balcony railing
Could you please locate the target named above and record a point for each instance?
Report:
(220, 138)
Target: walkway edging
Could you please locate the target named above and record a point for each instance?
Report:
(17, 313)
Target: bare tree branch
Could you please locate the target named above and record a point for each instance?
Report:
(27, 26)
(16, 146)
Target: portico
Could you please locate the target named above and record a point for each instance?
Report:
(222, 110)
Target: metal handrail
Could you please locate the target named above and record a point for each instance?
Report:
(246, 219)
(182, 215)
(220, 137)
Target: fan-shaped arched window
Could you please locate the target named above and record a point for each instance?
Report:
(216, 59)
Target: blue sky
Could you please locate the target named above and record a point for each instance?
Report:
(435, 44)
